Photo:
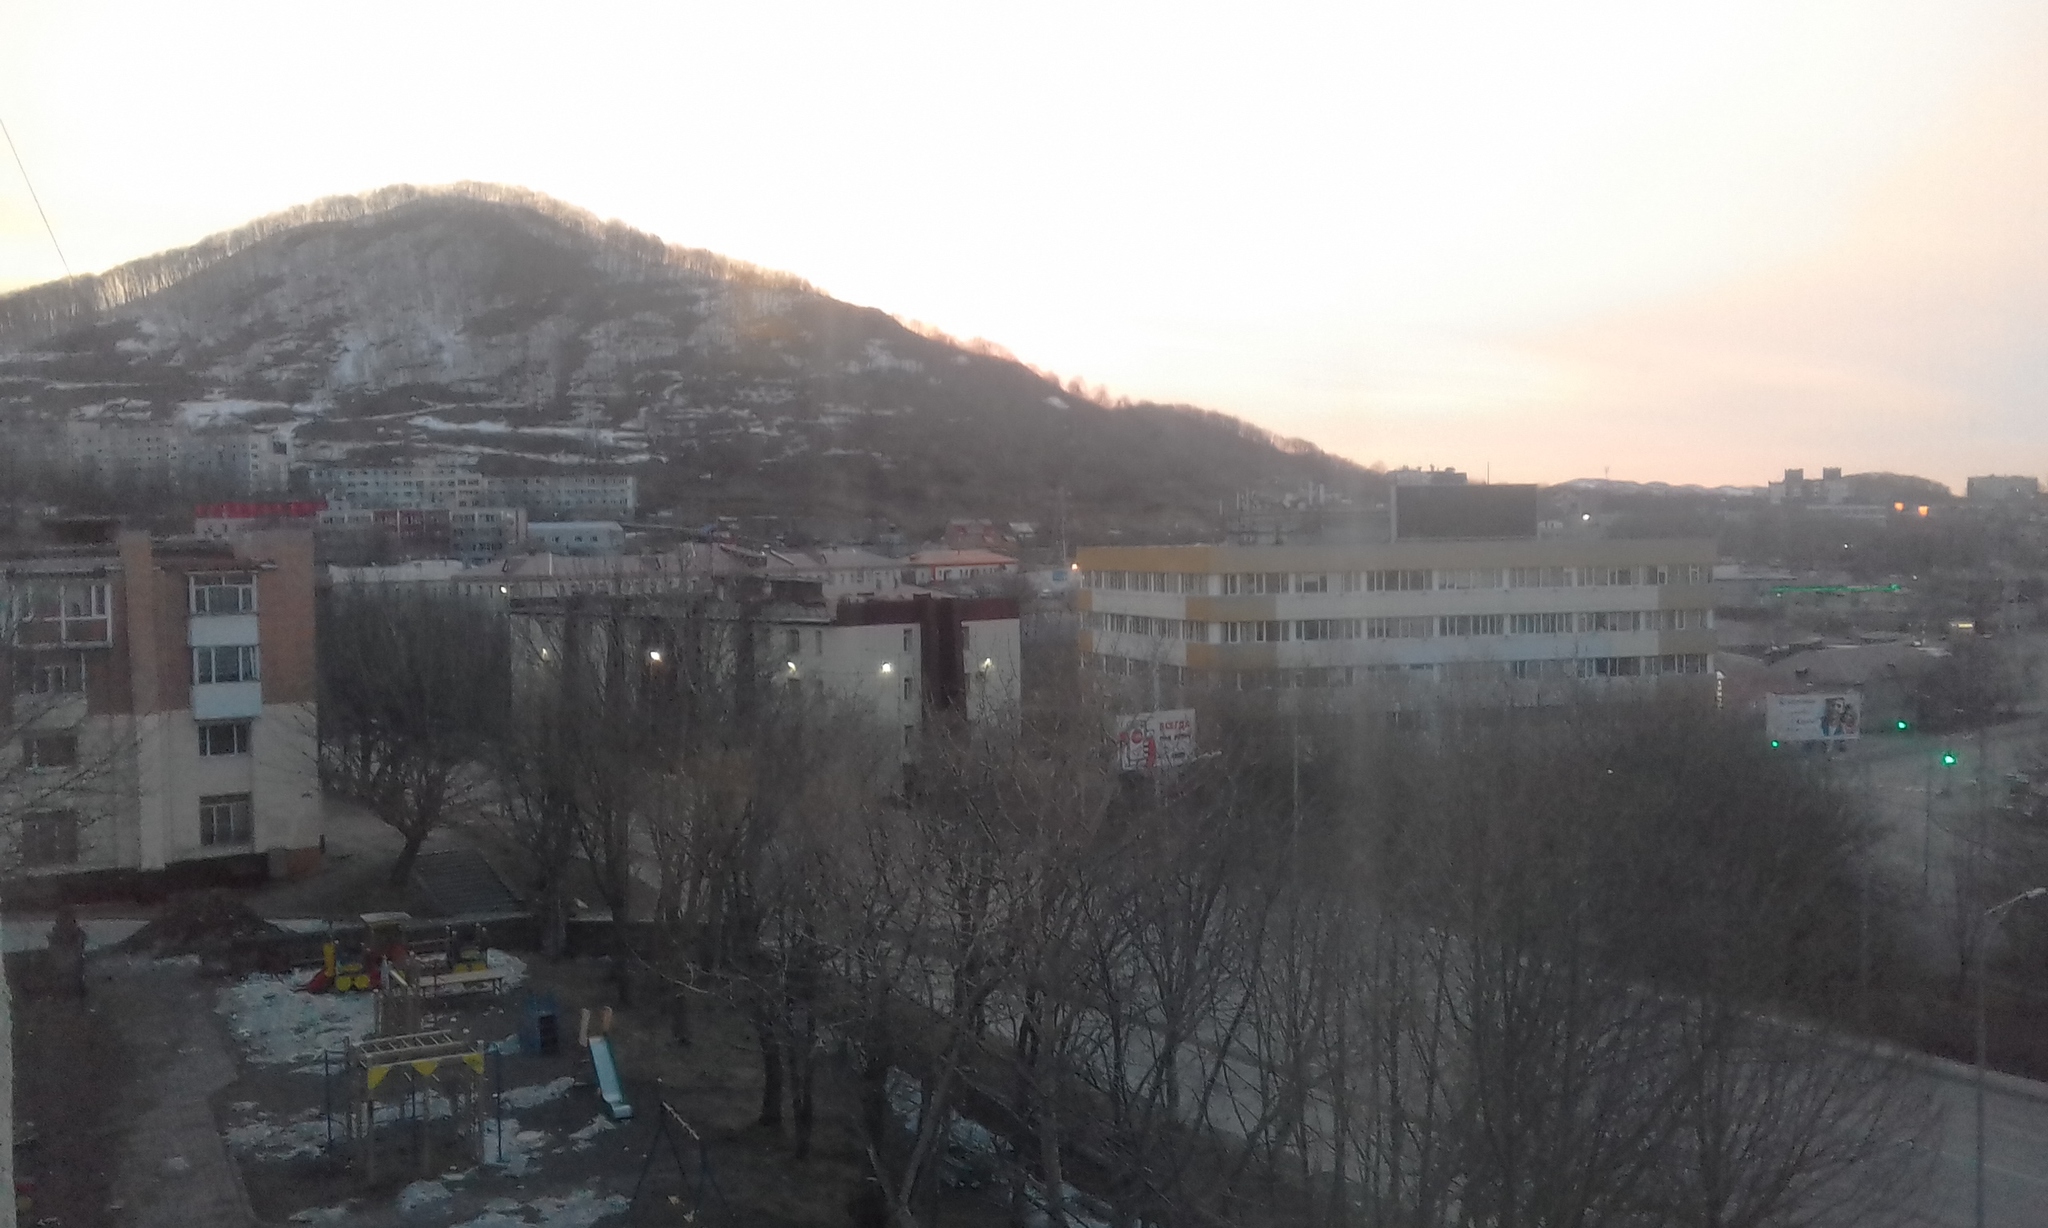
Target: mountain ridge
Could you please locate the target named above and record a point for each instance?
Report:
(499, 322)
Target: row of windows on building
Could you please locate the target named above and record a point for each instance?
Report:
(80, 611)
(1558, 669)
(1408, 627)
(1392, 580)
(55, 749)
(50, 836)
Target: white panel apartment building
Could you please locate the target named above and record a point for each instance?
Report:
(246, 461)
(1419, 612)
(456, 483)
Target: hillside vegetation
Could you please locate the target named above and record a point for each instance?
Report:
(495, 321)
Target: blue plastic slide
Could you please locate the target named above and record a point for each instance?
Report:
(608, 1079)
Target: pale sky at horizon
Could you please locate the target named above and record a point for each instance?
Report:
(1689, 243)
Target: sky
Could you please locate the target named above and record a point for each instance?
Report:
(1642, 240)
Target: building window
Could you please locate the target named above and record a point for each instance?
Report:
(793, 642)
(1408, 580)
(40, 752)
(1540, 624)
(1469, 578)
(1469, 624)
(907, 633)
(1416, 628)
(1316, 582)
(1328, 628)
(909, 687)
(49, 837)
(1268, 631)
(63, 612)
(49, 675)
(225, 663)
(224, 738)
(224, 593)
(226, 818)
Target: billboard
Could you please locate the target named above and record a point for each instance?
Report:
(1147, 740)
(1814, 717)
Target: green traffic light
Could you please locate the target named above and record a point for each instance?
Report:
(1948, 758)
(1774, 743)
(1902, 726)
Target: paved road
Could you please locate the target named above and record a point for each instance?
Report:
(2015, 1155)
(175, 1171)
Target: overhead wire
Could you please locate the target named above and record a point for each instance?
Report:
(40, 211)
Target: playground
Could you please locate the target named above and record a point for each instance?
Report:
(465, 1086)
(232, 1098)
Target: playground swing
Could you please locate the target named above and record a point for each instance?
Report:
(671, 1129)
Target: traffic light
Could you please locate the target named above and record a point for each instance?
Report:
(1774, 743)
(1901, 726)
(1948, 758)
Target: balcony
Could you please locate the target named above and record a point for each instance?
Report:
(219, 701)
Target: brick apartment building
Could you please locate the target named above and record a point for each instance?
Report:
(160, 710)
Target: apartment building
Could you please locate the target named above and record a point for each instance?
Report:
(896, 661)
(455, 483)
(1414, 613)
(845, 571)
(161, 709)
(581, 538)
(443, 483)
(568, 496)
(244, 461)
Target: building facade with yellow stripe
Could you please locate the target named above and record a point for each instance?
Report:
(1417, 612)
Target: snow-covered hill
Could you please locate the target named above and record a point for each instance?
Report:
(495, 322)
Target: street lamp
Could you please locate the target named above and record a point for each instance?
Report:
(1947, 759)
(1989, 921)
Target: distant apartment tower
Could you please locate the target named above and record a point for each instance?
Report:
(1829, 488)
(1995, 488)
(1517, 614)
(161, 698)
(471, 534)
(559, 496)
(457, 484)
(580, 538)
(239, 461)
(445, 484)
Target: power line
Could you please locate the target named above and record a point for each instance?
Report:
(51, 230)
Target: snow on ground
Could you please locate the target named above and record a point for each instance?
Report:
(587, 1136)
(511, 966)
(538, 1093)
(421, 1195)
(269, 1139)
(324, 1215)
(511, 1149)
(279, 1023)
(580, 1209)
(220, 413)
